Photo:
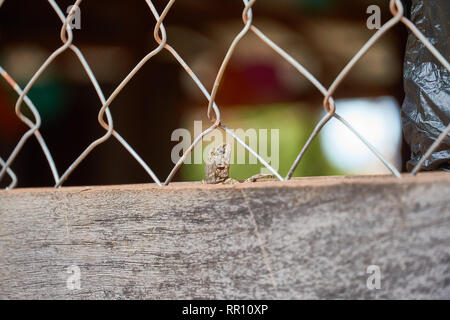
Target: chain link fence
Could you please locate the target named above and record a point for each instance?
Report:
(213, 110)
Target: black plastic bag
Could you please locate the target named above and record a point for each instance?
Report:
(426, 109)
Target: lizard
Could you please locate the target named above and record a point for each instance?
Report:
(217, 168)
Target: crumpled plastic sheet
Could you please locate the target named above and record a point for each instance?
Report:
(426, 109)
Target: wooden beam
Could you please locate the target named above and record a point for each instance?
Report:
(306, 238)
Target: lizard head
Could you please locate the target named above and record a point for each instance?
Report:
(218, 164)
(221, 155)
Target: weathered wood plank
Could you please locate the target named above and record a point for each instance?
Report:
(307, 238)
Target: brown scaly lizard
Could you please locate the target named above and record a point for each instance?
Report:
(217, 169)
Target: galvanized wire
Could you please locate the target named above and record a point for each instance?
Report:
(11, 174)
(30, 123)
(161, 39)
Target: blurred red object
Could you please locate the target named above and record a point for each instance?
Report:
(10, 125)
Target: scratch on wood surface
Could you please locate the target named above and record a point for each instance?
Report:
(67, 224)
(261, 244)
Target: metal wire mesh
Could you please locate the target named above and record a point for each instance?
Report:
(213, 111)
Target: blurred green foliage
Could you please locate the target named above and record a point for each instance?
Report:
(317, 6)
(50, 98)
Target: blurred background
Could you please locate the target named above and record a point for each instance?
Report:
(260, 90)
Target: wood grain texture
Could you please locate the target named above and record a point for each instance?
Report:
(306, 238)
